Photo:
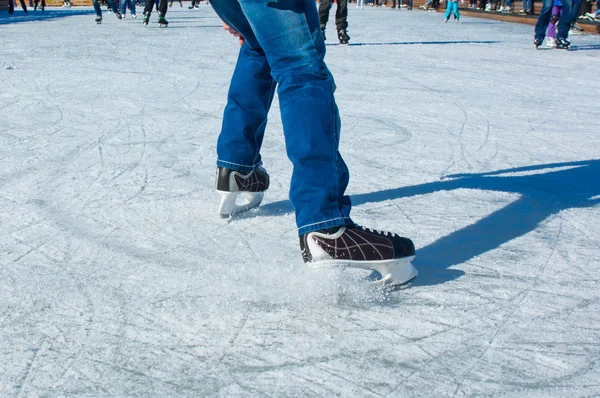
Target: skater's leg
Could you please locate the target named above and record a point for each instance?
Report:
(324, 7)
(245, 118)
(544, 19)
(551, 31)
(23, 5)
(249, 98)
(455, 8)
(564, 23)
(114, 6)
(341, 15)
(306, 87)
(162, 7)
(448, 10)
(148, 7)
(97, 8)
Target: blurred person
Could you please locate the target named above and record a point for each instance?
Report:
(341, 18)
(564, 23)
(98, 10)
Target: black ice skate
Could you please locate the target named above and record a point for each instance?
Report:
(343, 36)
(162, 22)
(240, 191)
(146, 18)
(538, 42)
(562, 43)
(98, 20)
(385, 253)
(323, 32)
(118, 15)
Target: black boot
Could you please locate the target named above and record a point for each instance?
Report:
(343, 36)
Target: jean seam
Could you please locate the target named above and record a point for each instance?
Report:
(239, 165)
(331, 222)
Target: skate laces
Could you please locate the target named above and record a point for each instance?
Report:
(376, 231)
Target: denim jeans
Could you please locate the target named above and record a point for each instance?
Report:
(284, 50)
(564, 23)
(114, 6)
(527, 5)
(131, 6)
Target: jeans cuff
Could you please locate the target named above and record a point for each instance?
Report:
(238, 167)
(335, 222)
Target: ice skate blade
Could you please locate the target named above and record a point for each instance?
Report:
(390, 274)
(238, 202)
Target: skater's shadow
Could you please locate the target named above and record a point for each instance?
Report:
(544, 190)
(585, 48)
(408, 43)
(19, 16)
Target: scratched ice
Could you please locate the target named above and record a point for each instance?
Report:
(117, 279)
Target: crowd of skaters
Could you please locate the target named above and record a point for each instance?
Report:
(551, 13)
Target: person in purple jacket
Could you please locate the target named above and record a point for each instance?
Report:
(557, 10)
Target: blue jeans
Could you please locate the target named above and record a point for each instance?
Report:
(284, 50)
(452, 7)
(131, 6)
(527, 5)
(564, 23)
(113, 6)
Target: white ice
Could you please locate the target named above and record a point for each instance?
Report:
(118, 279)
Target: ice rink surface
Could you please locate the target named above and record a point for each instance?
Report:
(118, 279)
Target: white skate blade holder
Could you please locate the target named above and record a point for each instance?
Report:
(238, 202)
(394, 273)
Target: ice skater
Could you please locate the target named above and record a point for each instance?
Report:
(341, 18)
(37, 2)
(551, 31)
(282, 49)
(131, 4)
(162, 11)
(11, 6)
(563, 26)
(452, 8)
(98, 10)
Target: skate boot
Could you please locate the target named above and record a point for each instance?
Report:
(388, 255)
(118, 15)
(562, 43)
(98, 20)
(323, 32)
(550, 42)
(11, 9)
(538, 41)
(146, 18)
(343, 37)
(240, 191)
(162, 22)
